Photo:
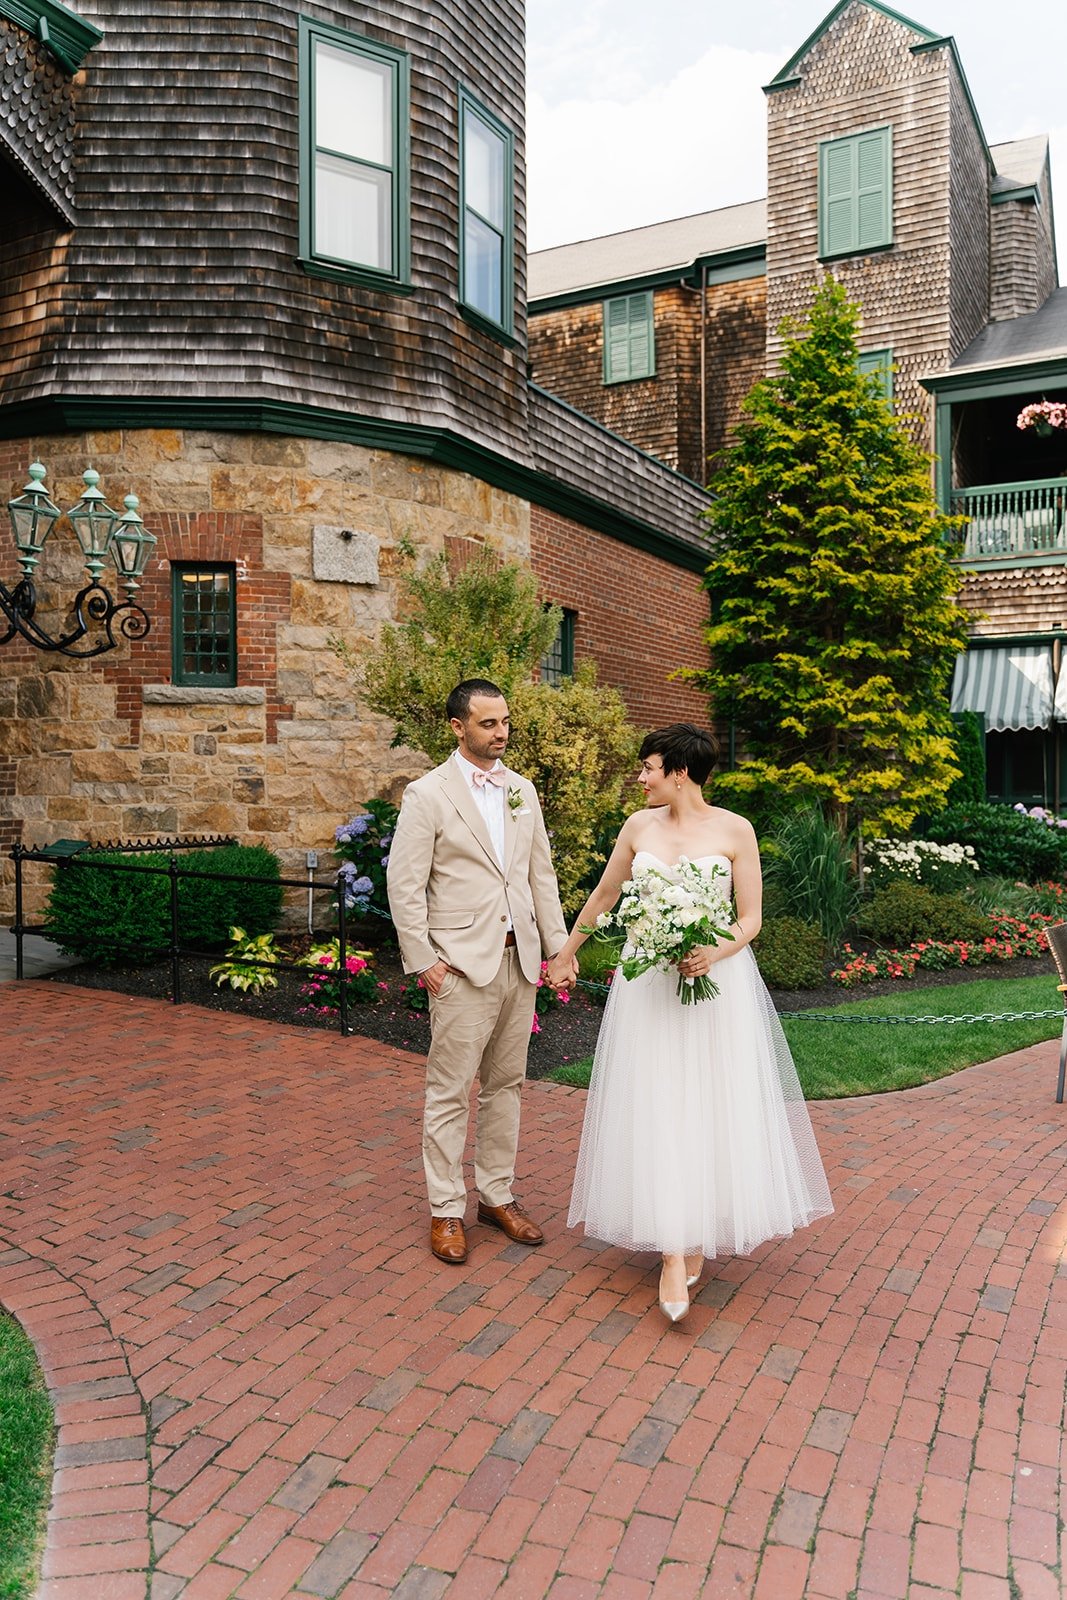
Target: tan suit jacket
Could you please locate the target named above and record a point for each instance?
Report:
(449, 897)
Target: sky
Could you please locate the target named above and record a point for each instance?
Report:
(640, 112)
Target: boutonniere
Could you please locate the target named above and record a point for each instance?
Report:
(516, 804)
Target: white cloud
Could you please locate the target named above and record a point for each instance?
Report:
(630, 156)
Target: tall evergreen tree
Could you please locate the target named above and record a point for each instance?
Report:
(834, 624)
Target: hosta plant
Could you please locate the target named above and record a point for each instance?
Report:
(237, 971)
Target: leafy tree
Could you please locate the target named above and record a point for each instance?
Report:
(834, 624)
(573, 742)
(483, 621)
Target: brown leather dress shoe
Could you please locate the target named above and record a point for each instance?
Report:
(512, 1220)
(448, 1241)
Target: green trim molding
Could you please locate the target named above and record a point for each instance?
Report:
(724, 266)
(67, 36)
(986, 383)
(85, 413)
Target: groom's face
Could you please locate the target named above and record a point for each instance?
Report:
(483, 737)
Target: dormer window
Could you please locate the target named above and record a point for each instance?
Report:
(856, 193)
(354, 168)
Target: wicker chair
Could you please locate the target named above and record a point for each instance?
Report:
(1057, 943)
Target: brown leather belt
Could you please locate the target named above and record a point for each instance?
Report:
(509, 940)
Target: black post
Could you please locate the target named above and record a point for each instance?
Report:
(17, 927)
(175, 964)
(342, 956)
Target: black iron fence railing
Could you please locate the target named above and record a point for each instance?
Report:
(67, 852)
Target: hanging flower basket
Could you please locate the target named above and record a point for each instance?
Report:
(1043, 416)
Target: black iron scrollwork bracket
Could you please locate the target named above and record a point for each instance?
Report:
(97, 616)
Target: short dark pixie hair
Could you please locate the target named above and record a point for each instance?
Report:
(682, 746)
(458, 704)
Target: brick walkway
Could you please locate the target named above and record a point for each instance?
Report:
(265, 1386)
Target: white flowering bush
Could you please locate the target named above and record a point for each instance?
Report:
(943, 867)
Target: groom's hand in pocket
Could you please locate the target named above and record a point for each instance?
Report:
(435, 976)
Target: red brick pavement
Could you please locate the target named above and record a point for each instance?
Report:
(214, 1231)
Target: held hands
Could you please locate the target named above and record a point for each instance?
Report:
(562, 972)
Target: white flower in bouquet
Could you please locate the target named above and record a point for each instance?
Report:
(664, 916)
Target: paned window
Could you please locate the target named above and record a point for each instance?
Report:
(856, 193)
(354, 132)
(629, 338)
(486, 248)
(204, 625)
(880, 364)
(557, 662)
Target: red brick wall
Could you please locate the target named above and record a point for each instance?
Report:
(639, 618)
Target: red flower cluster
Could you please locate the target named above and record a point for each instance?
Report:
(1010, 937)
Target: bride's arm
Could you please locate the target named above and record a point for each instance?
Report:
(748, 899)
(603, 897)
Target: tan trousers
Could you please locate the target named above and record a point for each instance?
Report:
(483, 1033)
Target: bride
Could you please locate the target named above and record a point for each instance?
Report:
(696, 1140)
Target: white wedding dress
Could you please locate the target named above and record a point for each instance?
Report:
(696, 1135)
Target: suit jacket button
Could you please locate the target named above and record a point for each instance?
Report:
(503, 919)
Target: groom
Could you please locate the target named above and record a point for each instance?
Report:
(474, 899)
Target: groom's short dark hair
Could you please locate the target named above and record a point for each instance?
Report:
(458, 704)
(682, 746)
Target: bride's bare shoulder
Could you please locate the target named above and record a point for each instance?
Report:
(733, 823)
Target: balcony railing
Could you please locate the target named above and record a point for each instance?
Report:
(1013, 519)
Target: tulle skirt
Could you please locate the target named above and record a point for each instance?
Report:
(696, 1135)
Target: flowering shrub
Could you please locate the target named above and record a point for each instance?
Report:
(936, 866)
(1039, 814)
(1009, 937)
(1007, 843)
(364, 843)
(323, 988)
(1051, 413)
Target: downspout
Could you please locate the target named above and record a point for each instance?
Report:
(703, 475)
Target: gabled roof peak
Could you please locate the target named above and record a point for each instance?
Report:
(787, 74)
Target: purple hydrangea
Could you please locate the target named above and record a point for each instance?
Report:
(352, 830)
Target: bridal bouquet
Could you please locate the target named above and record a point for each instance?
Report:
(663, 915)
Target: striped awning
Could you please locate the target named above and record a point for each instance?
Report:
(1011, 684)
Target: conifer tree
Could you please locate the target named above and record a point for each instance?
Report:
(834, 624)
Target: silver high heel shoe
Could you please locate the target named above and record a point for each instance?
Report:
(673, 1310)
(695, 1277)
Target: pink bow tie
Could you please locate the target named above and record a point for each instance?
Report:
(498, 777)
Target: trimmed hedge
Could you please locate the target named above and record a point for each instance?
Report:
(111, 917)
(905, 913)
(791, 954)
(1007, 843)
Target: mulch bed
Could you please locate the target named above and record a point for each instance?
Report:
(568, 1032)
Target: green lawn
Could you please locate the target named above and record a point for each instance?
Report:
(837, 1059)
(26, 1435)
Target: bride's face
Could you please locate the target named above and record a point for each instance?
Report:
(657, 784)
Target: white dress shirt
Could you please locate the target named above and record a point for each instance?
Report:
(490, 798)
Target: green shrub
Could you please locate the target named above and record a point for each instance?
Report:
(808, 867)
(968, 741)
(110, 916)
(905, 913)
(1006, 842)
(208, 909)
(597, 960)
(791, 953)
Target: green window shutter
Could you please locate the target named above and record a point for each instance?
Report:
(629, 338)
(879, 363)
(855, 193)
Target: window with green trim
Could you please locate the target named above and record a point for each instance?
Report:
(486, 251)
(204, 625)
(879, 363)
(354, 155)
(856, 193)
(629, 338)
(557, 662)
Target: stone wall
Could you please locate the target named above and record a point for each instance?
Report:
(111, 748)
